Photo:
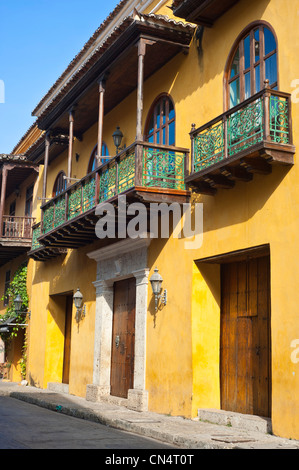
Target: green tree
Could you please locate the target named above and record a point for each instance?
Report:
(17, 286)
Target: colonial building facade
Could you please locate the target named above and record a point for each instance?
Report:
(191, 105)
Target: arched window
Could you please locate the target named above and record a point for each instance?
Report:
(252, 61)
(60, 184)
(93, 163)
(160, 124)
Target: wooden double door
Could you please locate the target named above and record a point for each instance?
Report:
(123, 338)
(245, 357)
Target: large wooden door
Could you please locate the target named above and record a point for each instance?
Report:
(123, 338)
(67, 340)
(245, 370)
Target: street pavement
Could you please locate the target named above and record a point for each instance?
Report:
(26, 426)
(176, 432)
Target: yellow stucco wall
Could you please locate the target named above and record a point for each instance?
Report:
(50, 281)
(262, 211)
(182, 363)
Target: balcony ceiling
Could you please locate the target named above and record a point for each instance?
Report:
(117, 57)
(20, 170)
(201, 12)
(10, 250)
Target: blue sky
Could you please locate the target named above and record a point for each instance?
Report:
(38, 39)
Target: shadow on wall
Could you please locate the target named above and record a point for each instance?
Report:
(235, 206)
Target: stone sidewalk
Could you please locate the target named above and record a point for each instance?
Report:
(179, 432)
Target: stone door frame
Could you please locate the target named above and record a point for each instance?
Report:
(118, 261)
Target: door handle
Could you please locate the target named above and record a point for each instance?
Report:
(117, 341)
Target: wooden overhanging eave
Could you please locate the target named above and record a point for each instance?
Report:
(118, 61)
(46, 253)
(202, 12)
(15, 171)
(59, 141)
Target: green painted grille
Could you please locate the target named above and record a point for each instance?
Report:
(108, 183)
(279, 120)
(209, 146)
(245, 127)
(126, 173)
(36, 233)
(163, 169)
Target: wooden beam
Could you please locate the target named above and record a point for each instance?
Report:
(102, 89)
(142, 43)
(3, 194)
(202, 187)
(237, 173)
(71, 140)
(256, 165)
(219, 181)
(46, 163)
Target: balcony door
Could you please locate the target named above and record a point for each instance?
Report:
(160, 126)
(252, 61)
(245, 371)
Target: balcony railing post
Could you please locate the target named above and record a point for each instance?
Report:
(266, 105)
(192, 147)
(290, 123)
(116, 175)
(66, 213)
(97, 188)
(138, 164)
(186, 164)
(225, 136)
(82, 198)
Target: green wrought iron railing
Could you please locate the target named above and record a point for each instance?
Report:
(263, 117)
(36, 233)
(140, 165)
(164, 167)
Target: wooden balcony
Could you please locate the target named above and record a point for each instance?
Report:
(15, 238)
(142, 172)
(247, 139)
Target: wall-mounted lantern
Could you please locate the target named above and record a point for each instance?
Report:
(78, 302)
(156, 282)
(5, 325)
(117, 138)
(18, 302)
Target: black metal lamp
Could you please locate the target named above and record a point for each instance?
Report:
(117, 138)
(78, 301)
(156, 282)
(18, 303)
